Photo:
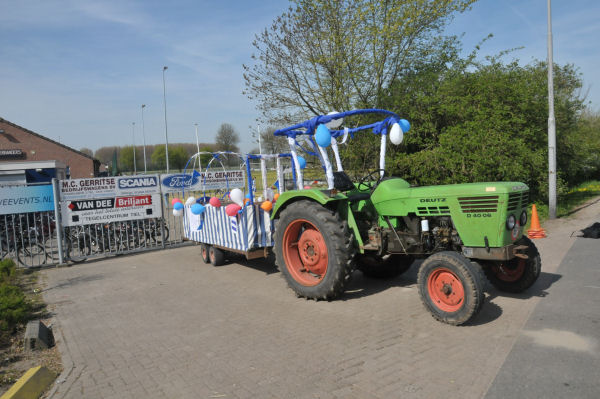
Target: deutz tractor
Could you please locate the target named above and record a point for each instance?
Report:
(380, 224)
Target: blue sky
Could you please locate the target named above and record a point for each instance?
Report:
(78, 70)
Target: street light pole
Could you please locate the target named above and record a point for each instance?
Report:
(551, 126)
(133, 139)
(144, 137)
(198, 147)
(166, 131)
(259, 141)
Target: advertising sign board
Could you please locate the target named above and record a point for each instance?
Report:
(109, 199)
(22, 199)
(199, 181)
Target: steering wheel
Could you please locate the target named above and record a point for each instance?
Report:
(367, 183)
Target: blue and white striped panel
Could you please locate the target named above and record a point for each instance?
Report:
(264, 228)
(216, 228)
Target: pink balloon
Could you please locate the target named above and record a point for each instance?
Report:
(232, 209)
(214, 201)
(175, 200)
(307, 187)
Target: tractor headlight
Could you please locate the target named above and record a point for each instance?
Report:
(523, 218)
(510, 222)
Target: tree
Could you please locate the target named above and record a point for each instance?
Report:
(178, 157)
(324, 55)
(87, 151)
(272, 144)
(227, 138)
(126, 158)
(485, 121)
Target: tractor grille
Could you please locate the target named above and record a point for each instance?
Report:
(433, 210)
(518, 200)
(479, 204)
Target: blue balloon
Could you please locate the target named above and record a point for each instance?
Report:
(404, 125)
(178, 206)
(323, 136)
(248, 195)
(197, 209)
(301, 162)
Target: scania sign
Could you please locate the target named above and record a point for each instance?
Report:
(137, 182)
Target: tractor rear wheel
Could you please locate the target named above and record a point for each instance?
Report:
(451, 287)
(517, 274)
(314, 250)
(204, 248)
(376, 266)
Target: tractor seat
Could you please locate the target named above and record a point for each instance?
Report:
(342, 182)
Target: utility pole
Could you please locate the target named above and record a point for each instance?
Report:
(551, 126)
(133, 139)
(166, 131)
(144, 137)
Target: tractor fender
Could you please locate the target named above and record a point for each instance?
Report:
(338, 202)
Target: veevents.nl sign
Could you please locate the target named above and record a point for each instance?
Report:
(22, 199)
(199, 181)
(109, 199)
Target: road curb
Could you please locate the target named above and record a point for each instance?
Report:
(31, 385)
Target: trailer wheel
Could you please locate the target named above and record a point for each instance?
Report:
(517, 274)
(451, 287)
(204, 248)
(375, 266)
(314, 250)
(217, 257)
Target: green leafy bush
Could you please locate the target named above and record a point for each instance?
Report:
(14, 307)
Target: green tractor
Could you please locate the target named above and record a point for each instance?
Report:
(380, 224)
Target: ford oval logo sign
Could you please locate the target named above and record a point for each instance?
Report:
(180, 181)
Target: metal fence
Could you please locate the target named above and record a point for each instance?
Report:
(36, 239)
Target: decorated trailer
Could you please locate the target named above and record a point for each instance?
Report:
(379, 224)
(228, 217)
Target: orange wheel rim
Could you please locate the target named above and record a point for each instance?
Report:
(511, 271)
(446, 290)
(305, 252)
(204, 253)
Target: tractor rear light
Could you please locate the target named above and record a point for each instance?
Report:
(510, 222)
(523, 218)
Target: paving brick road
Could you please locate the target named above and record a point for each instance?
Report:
(165, 325)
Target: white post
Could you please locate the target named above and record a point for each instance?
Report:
(166, 131)
(551, 126)
(382, 154)
(144, 137)
(280, 175)
(133, 139)
(299, 176)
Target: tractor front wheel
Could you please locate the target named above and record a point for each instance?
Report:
(314, 250)
(376, 266)
(451, 287)
(517, 274)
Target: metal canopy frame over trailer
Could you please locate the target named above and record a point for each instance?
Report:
(250, 231)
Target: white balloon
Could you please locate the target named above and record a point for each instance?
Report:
(190, 201)
(396, 134)
(334, 123)
(237, 196)
(177, 212)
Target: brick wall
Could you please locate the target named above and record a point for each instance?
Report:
(38, 148)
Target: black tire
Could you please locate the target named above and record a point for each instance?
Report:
(217, 257)
(204, 253)
(32, 254)
(515, 275)
(375, 266)
(329, 250)
(78, 247)
(451, 287)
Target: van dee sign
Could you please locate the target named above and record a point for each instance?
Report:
(200, 181)
(109, 199)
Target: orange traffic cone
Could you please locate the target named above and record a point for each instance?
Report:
(535, 230)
